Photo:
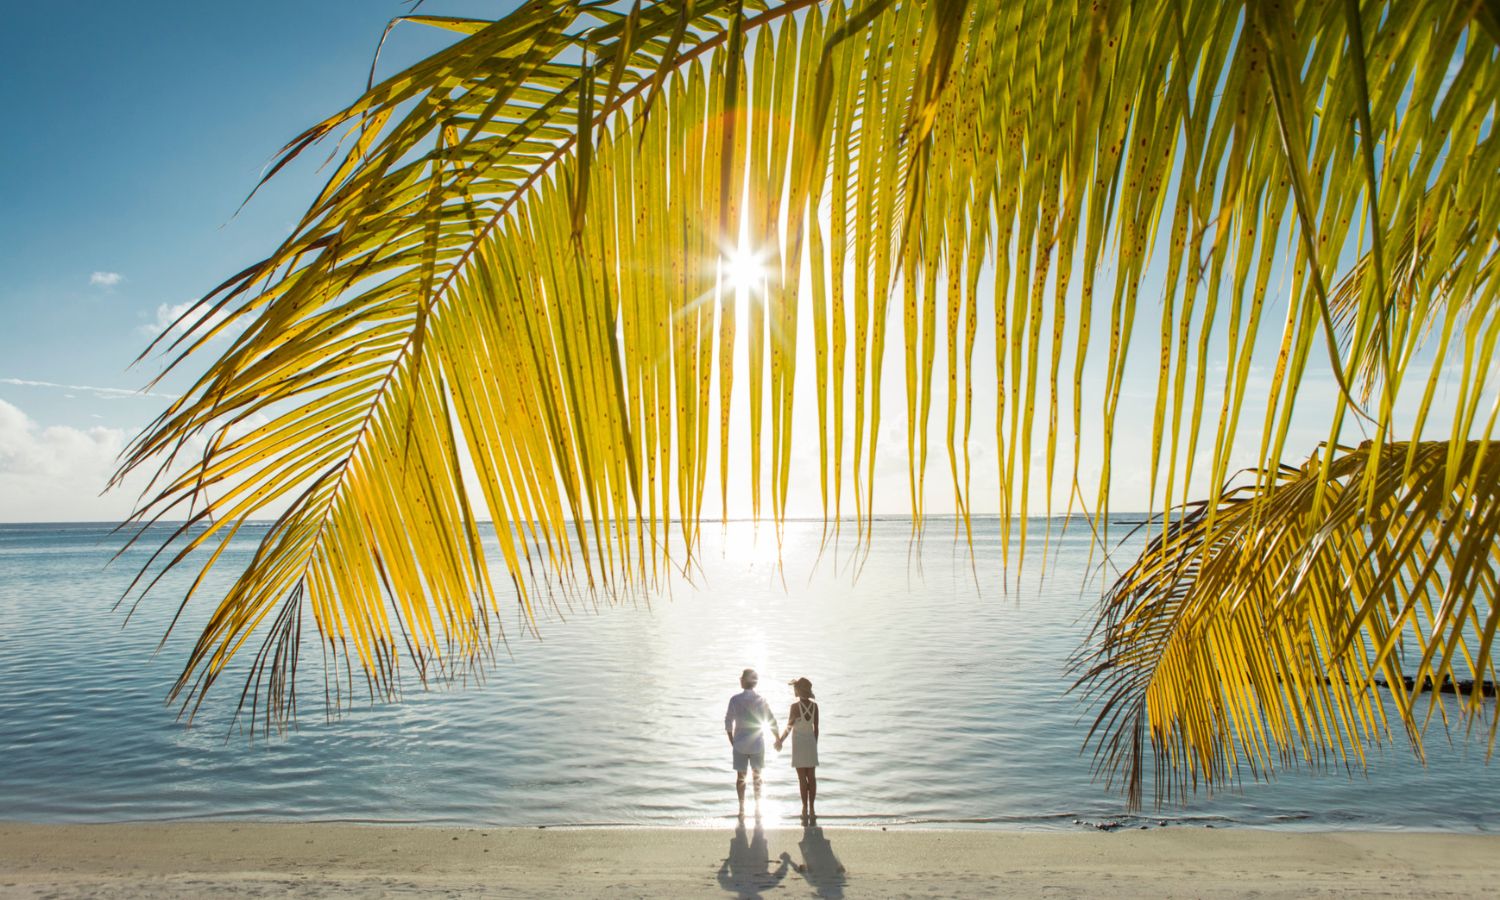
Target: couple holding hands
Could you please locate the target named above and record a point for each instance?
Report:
(746, 721)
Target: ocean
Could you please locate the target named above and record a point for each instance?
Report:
(943, 686)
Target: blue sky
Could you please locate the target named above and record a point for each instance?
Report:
(133, 132)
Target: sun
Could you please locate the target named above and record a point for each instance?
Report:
(743, 271)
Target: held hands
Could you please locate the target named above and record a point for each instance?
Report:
(778, 745)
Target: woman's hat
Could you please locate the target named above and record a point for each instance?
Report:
(802, 687)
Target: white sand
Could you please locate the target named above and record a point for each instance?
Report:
(240, 859)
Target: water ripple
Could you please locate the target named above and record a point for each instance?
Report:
(944, 705)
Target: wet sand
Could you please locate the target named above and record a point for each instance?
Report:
(338, 860)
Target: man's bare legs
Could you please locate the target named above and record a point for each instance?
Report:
(739, 790)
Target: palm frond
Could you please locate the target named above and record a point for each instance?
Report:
(1419, 286)
(515, 269)
(1267, 627)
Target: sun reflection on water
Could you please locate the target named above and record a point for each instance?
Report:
(941, 706)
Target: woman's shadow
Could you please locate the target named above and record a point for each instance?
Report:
(820, 868)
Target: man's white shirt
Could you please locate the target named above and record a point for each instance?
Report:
(746, 719)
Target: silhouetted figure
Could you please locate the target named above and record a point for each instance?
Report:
(802, 725)
(746, 721)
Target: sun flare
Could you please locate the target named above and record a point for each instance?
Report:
(743, 271)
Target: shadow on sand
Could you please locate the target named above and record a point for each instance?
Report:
(820, 868)
(746, 872)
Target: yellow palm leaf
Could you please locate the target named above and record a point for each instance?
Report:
(1266, 628)
(512, 270)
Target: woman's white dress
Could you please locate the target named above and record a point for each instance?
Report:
(804, 741)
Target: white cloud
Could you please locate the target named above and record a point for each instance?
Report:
(102, 393)
(55, 473)
(58, 473)
(168, 316)
(106, 279)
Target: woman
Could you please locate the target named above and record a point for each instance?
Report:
(802, 725)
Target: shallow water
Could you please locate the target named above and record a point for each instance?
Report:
(943, 700)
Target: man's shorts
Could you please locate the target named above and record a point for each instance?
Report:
(756, 760)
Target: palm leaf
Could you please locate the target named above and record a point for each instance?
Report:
(1420, 285)
(512, 271)
(1255, 631)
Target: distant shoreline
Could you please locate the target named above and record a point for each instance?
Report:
(332, 860)
(714, 520)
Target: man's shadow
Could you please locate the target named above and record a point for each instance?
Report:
(745, 872)
(820, 868)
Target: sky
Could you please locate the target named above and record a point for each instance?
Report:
(134, 132)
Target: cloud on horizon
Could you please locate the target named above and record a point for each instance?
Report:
(56, 473)
(106, 279)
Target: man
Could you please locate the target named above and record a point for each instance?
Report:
(745, 722)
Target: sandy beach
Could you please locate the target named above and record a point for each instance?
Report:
(336, 860)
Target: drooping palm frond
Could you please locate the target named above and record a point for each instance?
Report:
(508, 301)
(1419, 288)
(1271, 627)
(535, 294)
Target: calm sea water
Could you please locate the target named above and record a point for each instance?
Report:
(944, 704)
